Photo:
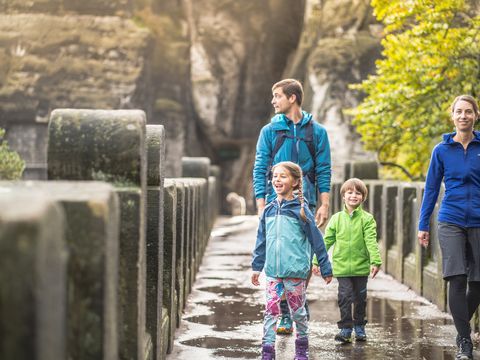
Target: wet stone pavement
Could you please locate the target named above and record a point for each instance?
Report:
(223, 317)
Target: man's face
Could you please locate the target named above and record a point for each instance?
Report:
(280, 102)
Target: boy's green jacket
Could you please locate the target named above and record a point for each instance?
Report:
(355, 243)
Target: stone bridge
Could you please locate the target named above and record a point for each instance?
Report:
(98, 262)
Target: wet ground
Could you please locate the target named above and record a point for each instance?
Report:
(223, 317)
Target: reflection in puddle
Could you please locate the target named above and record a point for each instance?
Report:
(229, 348)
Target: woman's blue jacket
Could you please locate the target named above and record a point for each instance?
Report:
(460, 171)
(284, 242)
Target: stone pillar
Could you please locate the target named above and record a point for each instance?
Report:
(155, 179)
(400, 245)
(180, 258)
(32, 278)
(109, 145)
(388, 221)
(361, 169)
(169, 259)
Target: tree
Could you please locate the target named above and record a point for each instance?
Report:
(11, 165)
(431, 54)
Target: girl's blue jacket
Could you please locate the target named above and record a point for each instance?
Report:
(460, 170)
(284, 242)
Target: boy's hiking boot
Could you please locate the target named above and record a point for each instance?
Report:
(268, 352)
(465, 349)
(360, 334)
(344, 336)
(286, 326)
(301, 348)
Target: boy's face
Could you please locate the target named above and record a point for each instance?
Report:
(353, 198)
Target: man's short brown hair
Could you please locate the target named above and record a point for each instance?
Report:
(291, 87)
(354, 184)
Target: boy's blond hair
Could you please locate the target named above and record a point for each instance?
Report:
(354, 184)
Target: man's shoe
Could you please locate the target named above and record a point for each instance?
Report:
(344, 336)
(286, 326)
(360, 334)
(465, 349)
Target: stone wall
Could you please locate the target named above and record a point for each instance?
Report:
(110, 255)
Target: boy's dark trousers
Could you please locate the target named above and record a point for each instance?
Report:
(352, 290)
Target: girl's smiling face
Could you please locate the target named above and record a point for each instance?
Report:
(283, 183)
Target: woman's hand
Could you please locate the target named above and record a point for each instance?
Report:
(423, 238)
(255, 276)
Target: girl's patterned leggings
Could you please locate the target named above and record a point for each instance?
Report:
(295, 292)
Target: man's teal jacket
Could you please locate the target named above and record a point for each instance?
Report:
(266, 144)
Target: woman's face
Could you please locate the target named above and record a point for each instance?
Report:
(463, 116)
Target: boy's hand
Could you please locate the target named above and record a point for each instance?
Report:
(374, 270)
(327, 279)
(315, 270)
(255, 277)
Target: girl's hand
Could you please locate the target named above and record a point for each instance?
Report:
(255, 277)
(374, 270)
(327, 279)
(423, 238)
(315, 270)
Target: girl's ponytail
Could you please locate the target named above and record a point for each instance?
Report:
(302, 201)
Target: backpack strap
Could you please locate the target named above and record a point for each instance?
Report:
(281, 135)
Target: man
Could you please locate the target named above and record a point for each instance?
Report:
(293, 135)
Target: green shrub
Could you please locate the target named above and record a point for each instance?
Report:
(11, 164)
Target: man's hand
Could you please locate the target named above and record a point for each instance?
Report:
(327, 279)
(255, 276)
(322, 215)
(374, 270)
(423, 238)
(260, 206)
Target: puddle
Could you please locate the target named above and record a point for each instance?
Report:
(230, 291)
(228, 348)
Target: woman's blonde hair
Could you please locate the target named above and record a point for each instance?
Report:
(296, 173)
(354, 184)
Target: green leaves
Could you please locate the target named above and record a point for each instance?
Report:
(11, 165)
(431, 54)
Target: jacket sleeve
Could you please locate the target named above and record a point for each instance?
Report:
(323, 163)
(316, 240)
(258, 260)
(262, 160)
(329, 238)
(370, 237)
(432, 188)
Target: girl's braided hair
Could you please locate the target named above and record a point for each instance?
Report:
(296, 173)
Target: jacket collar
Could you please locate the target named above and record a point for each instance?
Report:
(448, 138)
(281, 122)
(355, 212)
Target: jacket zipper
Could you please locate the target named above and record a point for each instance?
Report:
(277, 247)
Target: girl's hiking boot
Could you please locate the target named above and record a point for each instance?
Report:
(286, 326)
(360, 334)
(465, 349)
(268, 352)
(344, 336)
(301, 348)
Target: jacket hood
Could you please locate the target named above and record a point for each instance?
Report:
(448, 138)
(281, 122)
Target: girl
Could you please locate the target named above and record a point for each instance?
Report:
(286, 235)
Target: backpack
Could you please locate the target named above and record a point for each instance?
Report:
(308, 139)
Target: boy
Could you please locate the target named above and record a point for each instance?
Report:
(353, 233)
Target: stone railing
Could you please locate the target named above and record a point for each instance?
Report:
(97, 262)
(396, 207)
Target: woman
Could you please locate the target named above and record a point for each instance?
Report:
(456, 160)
